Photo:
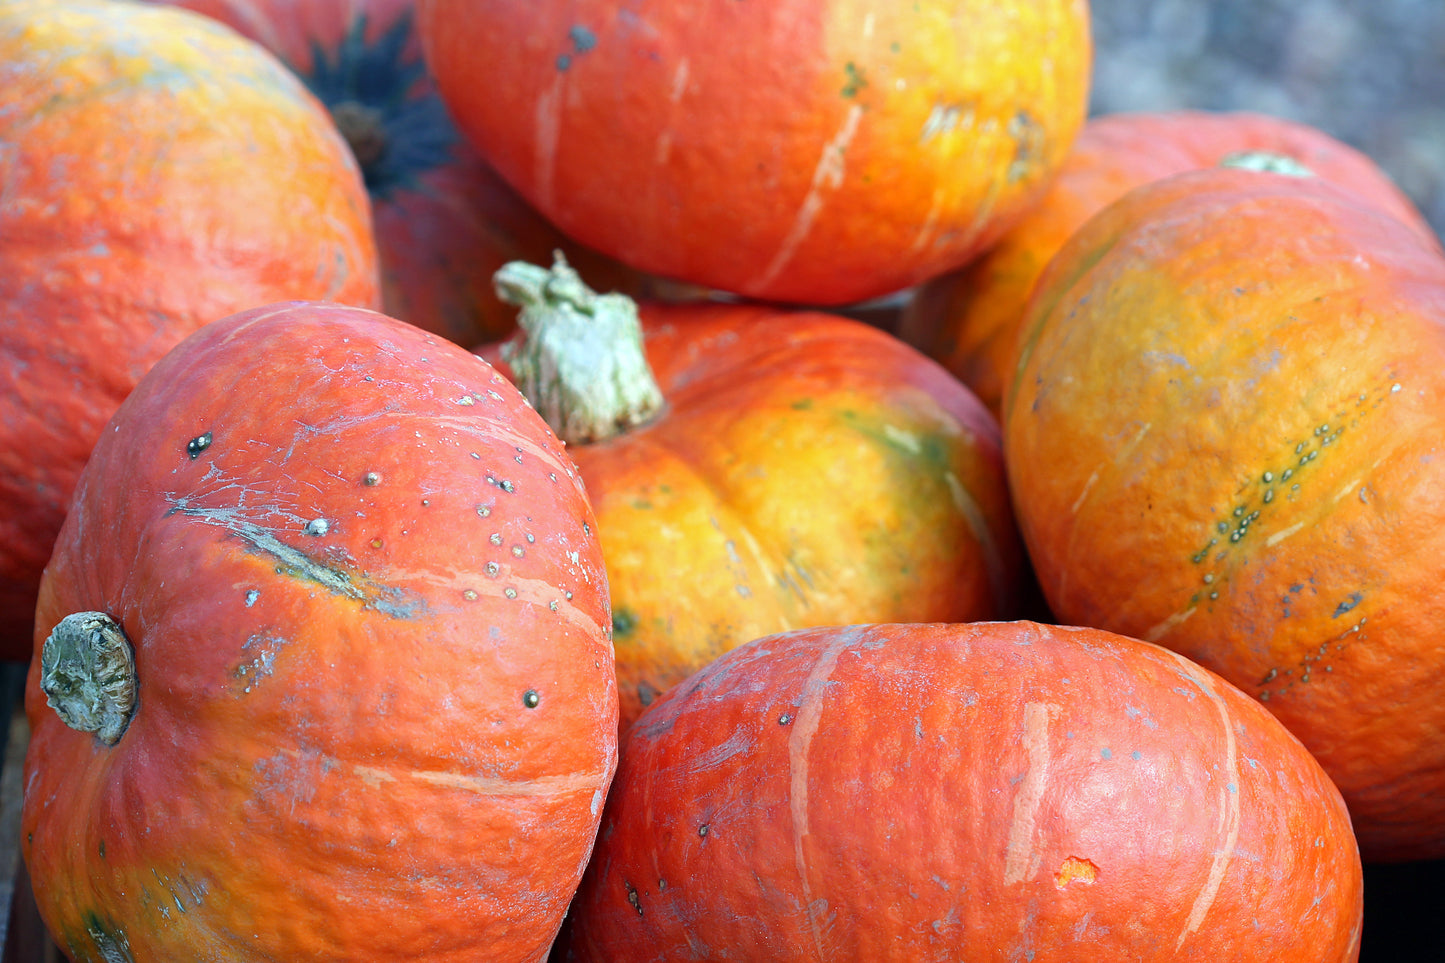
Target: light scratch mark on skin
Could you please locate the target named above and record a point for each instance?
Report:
(1079, 502)
(968, 507)
(548, 785)
(828, 175)
(1168, 625)
(1282, 534)
(1018, 858)
(548, 133)
(679, 81)
(1228, 805)
(805, 726)
(929, 227)
(1127, 452)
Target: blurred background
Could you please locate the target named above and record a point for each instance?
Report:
(1370, 72)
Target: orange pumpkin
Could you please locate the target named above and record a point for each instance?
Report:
(322, 667)
(783, 469)
(969, 319)
(992, 792)
(811, 151)
(1222, 437)
(159, 172)
(445, 222)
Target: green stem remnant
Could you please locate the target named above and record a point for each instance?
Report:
(87, 672)
(578, 355)
(1267, 161)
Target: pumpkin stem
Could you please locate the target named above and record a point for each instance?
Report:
(364, 130)
(577, 355)
(87, 672)
(1267, 161)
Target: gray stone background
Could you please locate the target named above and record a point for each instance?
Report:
(1370, 72)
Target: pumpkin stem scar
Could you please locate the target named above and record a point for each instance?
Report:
(87, 672)
(386, 599)
(577, 355)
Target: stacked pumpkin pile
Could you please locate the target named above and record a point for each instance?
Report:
(390, 591)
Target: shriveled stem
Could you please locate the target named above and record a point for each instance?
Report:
(87, 672)
(578, 355)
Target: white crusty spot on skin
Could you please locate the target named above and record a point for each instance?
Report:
(1343, 492)
(1018, 858)
(1229, 805)
(1168, 625)
(372, 776)
(828, 175)
(805, 726)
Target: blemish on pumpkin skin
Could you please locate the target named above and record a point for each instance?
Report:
(1076, 870)
(624, 622)
(388, 600)
(856, 80)
(109, 940)
(198, 444)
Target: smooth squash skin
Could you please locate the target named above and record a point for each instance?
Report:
(445, 222)
(969, 319)
(804, 469)
(986, 792)
(374, 710)
(158, 173)
(1223, 437)
(809, 151)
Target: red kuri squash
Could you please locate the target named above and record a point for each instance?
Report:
(989, 792)
(969, 319)
(784, 469)
(1223, 437)
(445, 222)
(330, 618)
(159, 173)
(812, 151)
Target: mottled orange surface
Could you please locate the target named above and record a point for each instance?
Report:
(156, 173)
(808, 470)
(814, 151)
(1224, 436)
(990, 793)
(969, 319)
(376, 710)
(445, 221)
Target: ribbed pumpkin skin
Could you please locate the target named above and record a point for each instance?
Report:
(810, 151)
(1223, 439)
(969, 319)
(987, 792)
(445, 222)
(159, 173)
(333, 756)
(808, 470)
